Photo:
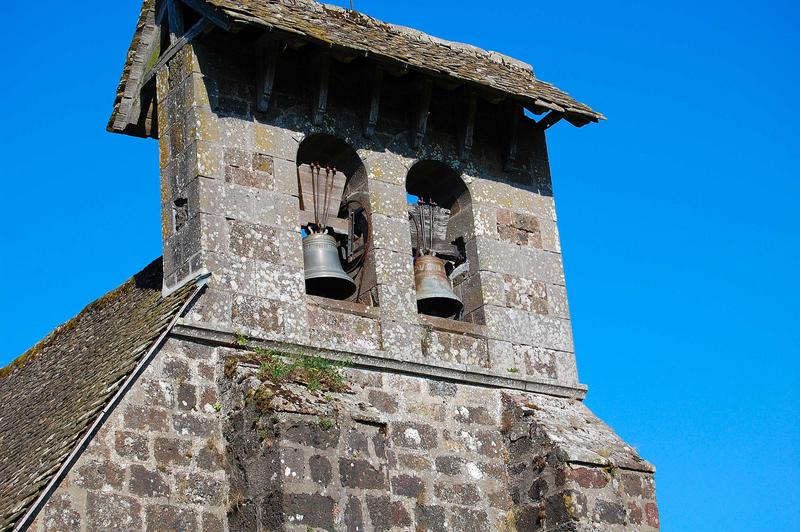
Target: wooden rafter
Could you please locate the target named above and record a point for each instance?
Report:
(514, 111)
(466, 131)
(549, 120)
(175, 16)
(321, 99)
(214, 15)
(267, 65)
(199, 27)
(422, 112)
(374, 81)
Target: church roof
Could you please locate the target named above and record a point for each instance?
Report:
(52, 394)
(351, 31)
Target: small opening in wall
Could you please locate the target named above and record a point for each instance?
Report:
(441, 225)
(180, 213)
(335, 221)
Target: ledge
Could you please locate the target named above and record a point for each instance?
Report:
(378, 360)
(453, 326)
(348, 307)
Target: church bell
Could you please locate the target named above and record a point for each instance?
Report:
(435, 296)
(324, 274)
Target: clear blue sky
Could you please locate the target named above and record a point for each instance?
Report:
(678, 215)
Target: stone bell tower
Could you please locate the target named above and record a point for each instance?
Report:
(284, 123)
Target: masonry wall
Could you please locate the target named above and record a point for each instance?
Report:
(157, 463)
(235, 171)
(197, 444)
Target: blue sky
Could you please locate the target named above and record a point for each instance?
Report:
(678, 215)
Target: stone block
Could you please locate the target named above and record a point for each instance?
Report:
(99, 474)
(457, 493)
(132, 445)
(110, 511)
(198, 488)
(145, 418)
(320, 470)
(391, 233)
(408, 486)
(526, 262)
(257, 313)
(386, 514)
(360, 474)
(172, 451)
(413, 435)
(388, 199)
(253, 241)
(147, 483)
(521, 327)
(168, 517)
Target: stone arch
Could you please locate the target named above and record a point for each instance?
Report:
(436, 182)
(350, 213)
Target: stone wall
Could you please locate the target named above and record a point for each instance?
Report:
(208, 440)
(397, 452)
(236, 170)
(157, 463)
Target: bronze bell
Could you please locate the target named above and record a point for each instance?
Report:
(435, 296)
(324, 274)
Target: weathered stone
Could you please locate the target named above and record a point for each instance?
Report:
(172, 451)
(320, 468)
(311, 434)
(196, 425)
(431, 518)
(200, 489)
(168, 517)
(129, 444)
(441, 388)
(100, 475)
(588, 477)
(383, 401)
(651, 511)
(60, 514)
(310, 510)
(109, 511)
(147, 483)
(469, 519)
(407, 486)
(187, 396)
(413, 435)
(449, 465)
(144, 418)
(465, 494)
(386, 514)
(609, 512)
(353, 516)
(361, 474)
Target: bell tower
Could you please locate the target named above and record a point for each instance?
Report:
(378, 197)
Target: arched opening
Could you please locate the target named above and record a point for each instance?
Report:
(335, 220)
(442, 226)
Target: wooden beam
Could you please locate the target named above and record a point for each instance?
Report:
(199, 27)
(321, 98)
(267, 65)
(514, 111)
(374, 81)
(161, 11)
(214, 15)
(175, 16)
(466, 131)
(549, 120)
(423, 110)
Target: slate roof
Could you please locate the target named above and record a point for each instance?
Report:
(336, 27)
(53, 393)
